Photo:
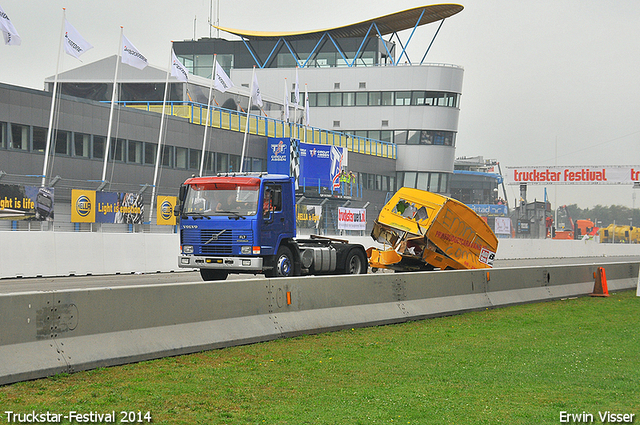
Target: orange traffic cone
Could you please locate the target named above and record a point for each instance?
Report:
(600, 288)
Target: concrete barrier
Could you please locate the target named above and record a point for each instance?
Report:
(46, 253)
(45, 333)
(42, 253)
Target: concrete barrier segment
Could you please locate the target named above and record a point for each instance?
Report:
(45, 333)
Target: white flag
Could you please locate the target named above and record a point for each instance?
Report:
(177, 69)
(131, 55)
(256, 96)
(296, 97)
(286, 101)
(221, 81)
(8, 30)
(306, 105)
(74, 44)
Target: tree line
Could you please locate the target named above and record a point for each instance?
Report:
(603, 216)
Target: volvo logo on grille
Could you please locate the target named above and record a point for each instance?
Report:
(215, 236)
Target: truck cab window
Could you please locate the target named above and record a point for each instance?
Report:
(272, 199)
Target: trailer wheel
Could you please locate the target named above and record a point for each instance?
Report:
(356, 263)
(208, 274)
(284, 263)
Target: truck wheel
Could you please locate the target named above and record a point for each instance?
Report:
(356, 263)
(284, 263)
(208, 275)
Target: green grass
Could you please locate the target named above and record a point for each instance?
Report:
(516, 365)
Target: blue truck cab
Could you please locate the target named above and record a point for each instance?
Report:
(246, 223)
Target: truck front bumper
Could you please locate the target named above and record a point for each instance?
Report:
(221, 263)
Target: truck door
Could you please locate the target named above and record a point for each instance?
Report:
(272, 216)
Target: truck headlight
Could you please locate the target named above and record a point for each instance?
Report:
(246, 250)
(187, 249)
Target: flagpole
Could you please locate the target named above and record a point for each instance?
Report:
(113, 101)
(164, 102)
(246, 127)
(306, 100)
(53, 102)
(286, 105)
(296, 96)
(206, 123)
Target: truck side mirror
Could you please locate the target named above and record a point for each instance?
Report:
(177, 209)
(183, 193)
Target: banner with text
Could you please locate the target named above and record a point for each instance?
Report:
(607, 174)
(502, 226)
(19, 202)
(310, 164)
(489, 210)
(165, 206)
(352, 218)
(88, 206)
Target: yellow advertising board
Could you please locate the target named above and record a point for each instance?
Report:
(83, 204)
(164, 207)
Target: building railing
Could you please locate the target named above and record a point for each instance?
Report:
(227, 119)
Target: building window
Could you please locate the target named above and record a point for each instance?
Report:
(234, 163)
(348, 99)
(181, 157)
(362, 99)
(203, 65)
(39, 139)
(417, 98)
(323, 99)
(375, 98)
(63, 143)
(258, 165)
(313, 99)
(194, 159)
(99, 143)
(209, 162)
(387, 98)
(336, 123)
(222, 163)
(335, 99)
(82, 145)
(3, 135)
(150, 153)
(19, 137)
(135, 152)
(431, 182)
(118, 147)
(403, 98)
(167, 156)
(423, 181)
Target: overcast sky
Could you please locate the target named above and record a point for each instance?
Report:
(540, 77)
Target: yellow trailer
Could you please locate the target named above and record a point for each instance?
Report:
(427, 231)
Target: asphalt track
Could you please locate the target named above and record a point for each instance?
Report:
(9, 286)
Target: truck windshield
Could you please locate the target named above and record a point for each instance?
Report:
(239, 201)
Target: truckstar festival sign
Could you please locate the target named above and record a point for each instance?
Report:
(352, 218)
(607, 174)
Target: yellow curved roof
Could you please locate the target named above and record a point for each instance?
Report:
(387, 24)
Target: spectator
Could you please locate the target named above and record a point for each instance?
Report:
(344, 179)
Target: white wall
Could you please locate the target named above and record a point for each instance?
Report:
(31, 254)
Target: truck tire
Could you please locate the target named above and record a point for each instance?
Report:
(283, 264)
(355, 263)
(209, 275)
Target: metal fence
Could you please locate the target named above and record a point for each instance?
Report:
(227, 119)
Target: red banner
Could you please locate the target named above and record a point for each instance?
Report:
(607, 174)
